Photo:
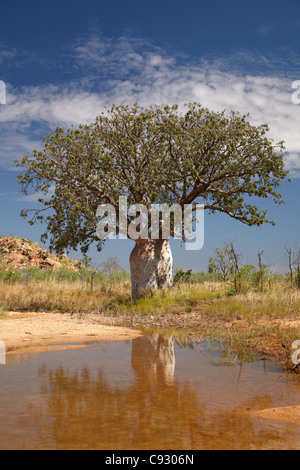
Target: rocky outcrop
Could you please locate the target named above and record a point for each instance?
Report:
(18, 253)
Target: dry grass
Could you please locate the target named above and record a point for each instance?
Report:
(64, 296)
(280, 302)
(209, 299)
(263, 322)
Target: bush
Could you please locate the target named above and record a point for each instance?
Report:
(183, 276)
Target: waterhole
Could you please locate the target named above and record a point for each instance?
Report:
(156, 392)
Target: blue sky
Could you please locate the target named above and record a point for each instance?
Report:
(62, 62)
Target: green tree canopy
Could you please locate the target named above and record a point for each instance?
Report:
(153, 155)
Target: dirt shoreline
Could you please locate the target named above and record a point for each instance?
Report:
(34, 332)
(32, 329)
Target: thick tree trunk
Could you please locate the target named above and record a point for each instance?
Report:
(151, 266)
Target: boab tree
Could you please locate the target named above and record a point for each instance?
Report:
(152, 156)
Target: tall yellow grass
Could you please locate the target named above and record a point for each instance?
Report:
(64, 296)
(208, 299)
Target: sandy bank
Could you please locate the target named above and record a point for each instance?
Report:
(290, 414)
(33, 332)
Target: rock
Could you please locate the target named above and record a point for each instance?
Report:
(22, 253)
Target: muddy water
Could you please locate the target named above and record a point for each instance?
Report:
(154, 393)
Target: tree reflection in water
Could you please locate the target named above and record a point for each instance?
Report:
(153, 411)
(82, 410)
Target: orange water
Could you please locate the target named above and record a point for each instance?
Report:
(150, 393)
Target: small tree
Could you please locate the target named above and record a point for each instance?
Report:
(297, 263)
(111, 267)
(262, 274)
(223, 261)
(261, 270)
(212, 266)
(153, 156)
(294, 266)
(226, 262)
(84, 267)
(291, 267)
(234, 259)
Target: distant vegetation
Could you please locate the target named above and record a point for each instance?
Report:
(227, 267)
(87, 287)
(248, 307)
(107, 289)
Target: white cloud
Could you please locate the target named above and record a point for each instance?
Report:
(36, 196)
(12, 58)
(293, 164)
(14, 145)
(6, 54)
(134, 71)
